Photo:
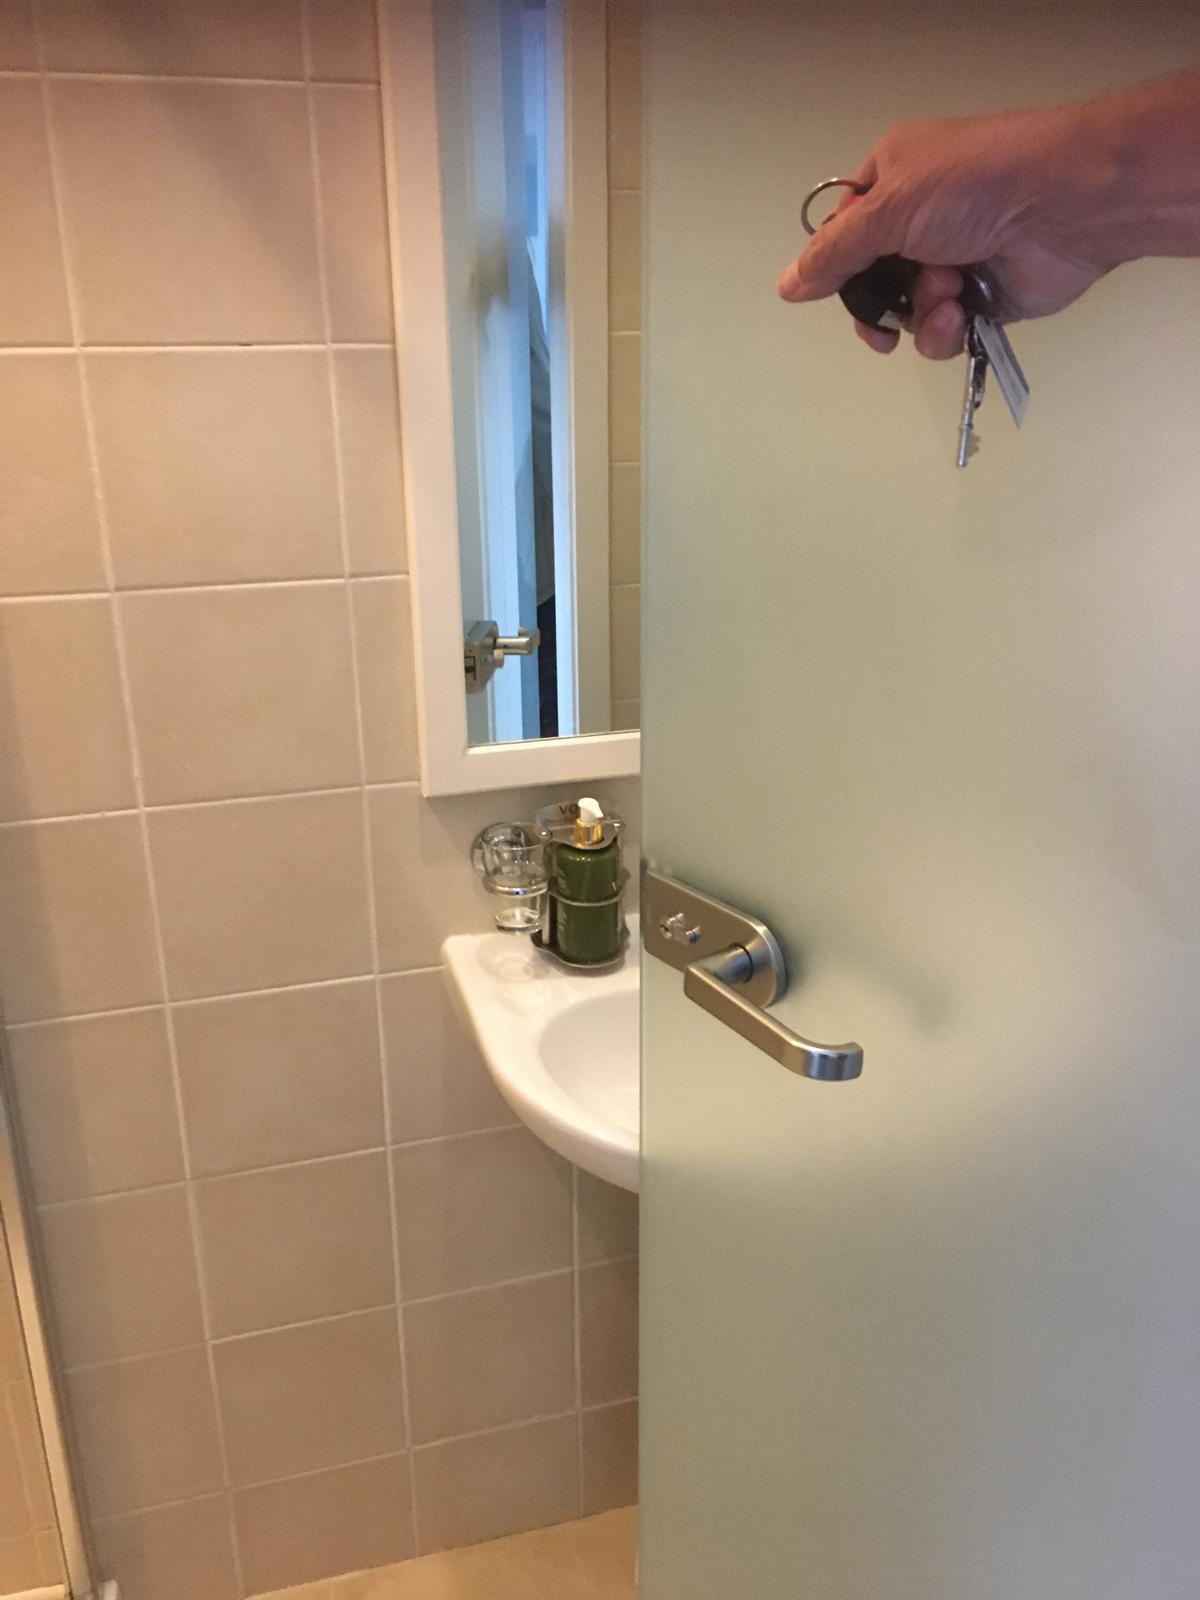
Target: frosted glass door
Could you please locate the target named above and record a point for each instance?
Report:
(933, 1334)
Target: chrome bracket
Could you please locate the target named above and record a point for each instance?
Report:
(485, 648)
(733, 967)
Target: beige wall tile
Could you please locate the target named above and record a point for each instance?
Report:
(490, 1357)
(608, 1220)
(273, 1078)
(50, 1559)
(33, 295)
(296, 1243)
(207, 38)
(31, 1454)
(342, 40)
(480, 1209)
(624, 94)
(19, 1567)
(326, 1524)
(75, 930)
(165, 418)
(608, 1297)
(15, 1520)
(97, 1104)
(122, 1275)
(625, 522)
(62, 718)
(610, 1459)
(146, 1431)
(261, 893)
(242, 691)
(49, 539)
(496, 1484)
(625, 261)
(350, 149)
(625, 397)
(626, 623)
(369, 426)
(300, 1399)
(13, 1368)
(437, 1079)
(190, 209)
(626, 714)
(18, 43)
(383, 630)
(181, 1551)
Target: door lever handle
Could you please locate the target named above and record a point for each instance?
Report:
(711, 982)
(733, 966)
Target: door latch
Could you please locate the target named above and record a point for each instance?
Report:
(733, 967)
(485, 648)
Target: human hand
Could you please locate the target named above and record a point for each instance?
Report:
(992, 191)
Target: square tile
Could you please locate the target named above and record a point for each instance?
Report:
(184, 1551)
(242, 691)
(31, 1454)
(62, 715)
(122, 1275)
(19, 1568)
(490, 1357)
(625, 94)
(49, 536)
(626, 715)
(322, 1395)
(163, 417)
(261, 893)
(296, 1243)
(190, 207)
(33, 291)
(18, 48)
(273, 1078)
(14, 1513)
(75, 931)
(625, 522)
(348, 1520)
(608, 1220)
(13, 1367)
(496, 1483)
(354, 202)
(387, 693)
(205, 38)
(146, 1431)
(480, 1209)
(625, 261)
(97, 1104)
(625, 397)
(437, 1080)
(610, 1458)
(342, 42)
(608, 1331)
(626, 642)
(372, 472)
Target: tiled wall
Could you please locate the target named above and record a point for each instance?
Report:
(29, 1554)
(625, 354)
(321, 1302)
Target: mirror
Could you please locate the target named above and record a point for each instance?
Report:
(539, 584)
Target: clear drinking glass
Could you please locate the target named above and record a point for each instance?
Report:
(511, 862)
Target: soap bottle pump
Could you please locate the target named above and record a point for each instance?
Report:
(587, 889)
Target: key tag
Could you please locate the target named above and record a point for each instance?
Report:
(881, 295)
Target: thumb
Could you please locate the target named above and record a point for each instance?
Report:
(851, 240)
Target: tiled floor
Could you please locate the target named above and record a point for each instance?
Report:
(592, 1559)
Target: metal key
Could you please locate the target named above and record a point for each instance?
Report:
(977, 366)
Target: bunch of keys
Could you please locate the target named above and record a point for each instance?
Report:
(881, 297)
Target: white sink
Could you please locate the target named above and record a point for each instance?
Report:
(562, 1046)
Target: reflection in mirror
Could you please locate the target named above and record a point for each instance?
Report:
(30, 1553)
(542, 262)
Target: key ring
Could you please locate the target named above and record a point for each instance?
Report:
(829, 183)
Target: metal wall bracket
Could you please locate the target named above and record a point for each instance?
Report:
(485, 648)
(733, 967)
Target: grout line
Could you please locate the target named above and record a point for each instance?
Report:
(284, 81)
(152, 807)
(577, 1336)
(317, 580)
(360, 734)
(166, 347)
(105, 538)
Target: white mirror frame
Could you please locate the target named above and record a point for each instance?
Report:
(449, 764)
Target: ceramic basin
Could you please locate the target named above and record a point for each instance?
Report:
(561, 1046)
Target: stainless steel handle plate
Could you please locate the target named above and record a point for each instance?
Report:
(732, 966)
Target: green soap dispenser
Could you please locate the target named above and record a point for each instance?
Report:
(587, 890)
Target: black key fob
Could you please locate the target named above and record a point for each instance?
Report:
(881, 296)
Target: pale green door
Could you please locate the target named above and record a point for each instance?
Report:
(933, 1334)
